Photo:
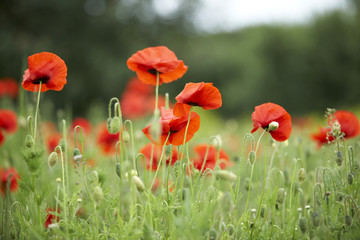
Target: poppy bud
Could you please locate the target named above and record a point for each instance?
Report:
(217, 141)
(302, 224)
(77, 156)
(231, 229)
(118, 169)
(115, 125)
(226, 175)
(273, 126)
(339, 197)
(281, 194)
(29, 141)
(348, 220)
(98, 194)
(252, 157)
(126, 136)
(52, 159)
(315, 217)
(212, 234)
(339, 158)
(139, 184)
(350, 178)
(301, 174)
(108, 125)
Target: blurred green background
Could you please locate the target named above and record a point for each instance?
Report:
(303, 67)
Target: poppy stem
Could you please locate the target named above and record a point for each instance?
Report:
(36, 111)
(157, 90)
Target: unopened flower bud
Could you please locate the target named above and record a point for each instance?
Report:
(350, 178)
(252, 157)
(79, 200)
(139, 184)
(348, 220)
(118, 169)
(217, 141)
(315, 217)
(98, 194)
(281, 194)
(29, 141)
(77, 156)
(301, 174)
(339, 158)
(115, 125)
(226, 175)
(302, 224)
(52, 159)
(126, 136)
(231, 229)
(273, 126)
(108, 125)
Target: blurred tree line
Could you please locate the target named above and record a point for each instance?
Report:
(301, 67)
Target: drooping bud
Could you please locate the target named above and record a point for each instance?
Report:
(52, 159)
(302, 224)
(252, 157)
(126, 136)
(98, 194)
(108, 125)
(315, 217)
(350, 178)
(301, 175)
(273, 126)
(231, 229)
(139, 184)
(281, 194)
(226, 175)
(77, 156)
(115, 125)
(118, 169)
(217, 141)
(29, 141)
(348, 220)
(339, 158)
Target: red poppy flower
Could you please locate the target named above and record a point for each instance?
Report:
(50, 218)
(175, 121)
(105, 140)
(202, 94)
(146, 150)
(349, 125)
(266, 113)
(53, 141)
(83, 123)
(9, 86)
(47, 68)
(200, 149)
(147, 62)
(8, 120)
(8, 175)
(135, 85)
(134, 105)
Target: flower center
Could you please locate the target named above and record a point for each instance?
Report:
(153, 71)
(43, 79)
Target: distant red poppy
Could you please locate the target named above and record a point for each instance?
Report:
(201, 94)
(200, 149)
(9, 86)
(147, 62)
(135, 85)
(349, 123)
(9, 174)
(266, 113)
(83, 123)
(105, 140)
(175, 121)
(47, 68)
(134, 105)
(50, 218)
(8, 120)
(146, 150)
(53, 141)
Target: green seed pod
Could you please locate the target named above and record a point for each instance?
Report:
(115, 125)
(126, 136)
(315, 217)
(98, 194)
(301, 174)
(77, 156)
(281, 194)
(29, 141)
(348, 220)
(52, 159)
(350, 178)
(252, 157)
(226, 175)
(247, 184)
(139, 184)
(339, 158)
(118, 169)
(302, 224)
(273, 126)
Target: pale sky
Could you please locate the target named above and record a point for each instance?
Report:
(231, 14)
